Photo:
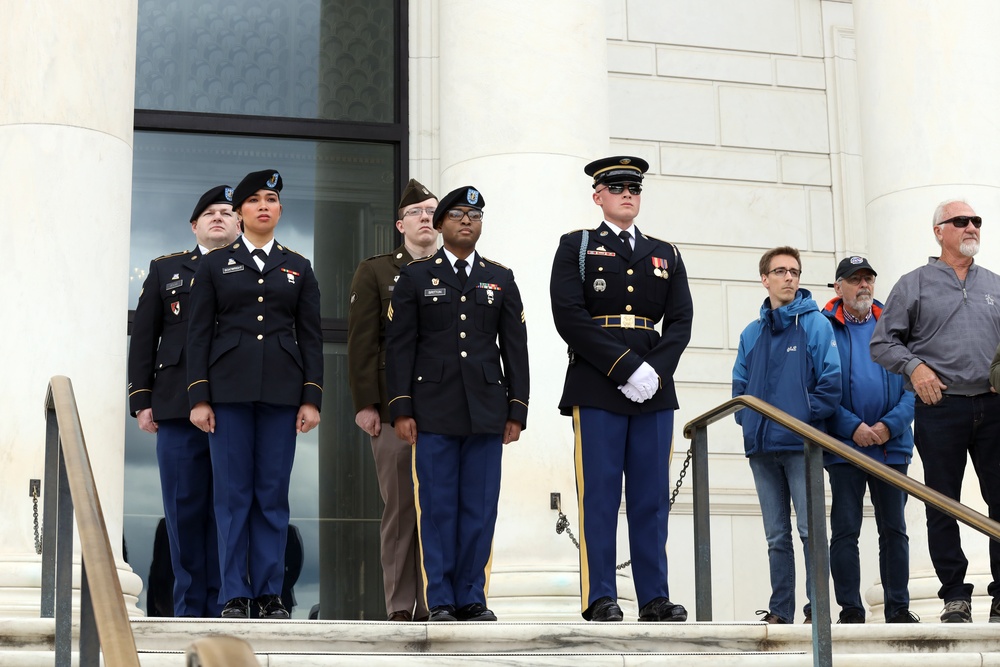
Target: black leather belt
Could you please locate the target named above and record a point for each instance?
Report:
(626, 322)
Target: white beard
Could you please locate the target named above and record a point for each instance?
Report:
(969, 248)
(862, 304)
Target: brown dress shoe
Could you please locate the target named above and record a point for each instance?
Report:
(403, 616)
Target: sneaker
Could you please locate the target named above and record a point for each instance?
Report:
(905, 616)
(768, 617)
(851, 615)
(995, 611)
(957, 611)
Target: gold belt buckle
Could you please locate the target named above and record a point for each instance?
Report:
(627, 321)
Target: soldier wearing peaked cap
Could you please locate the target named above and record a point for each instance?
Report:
(457, 371)
(157, 379)
(610, 287)
(371, 291)
(255, 381)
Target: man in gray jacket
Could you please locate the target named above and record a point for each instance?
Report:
(939, 329)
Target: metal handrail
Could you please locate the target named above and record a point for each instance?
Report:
(104, 622)
(814, 442)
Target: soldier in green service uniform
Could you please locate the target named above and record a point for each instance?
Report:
(371, 292)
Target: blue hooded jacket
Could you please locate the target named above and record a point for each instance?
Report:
(844, 422)
(788, 357)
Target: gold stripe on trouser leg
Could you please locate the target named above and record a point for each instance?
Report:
(584, 565)
(420, 536)
(489, 570)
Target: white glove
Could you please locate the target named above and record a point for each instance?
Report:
(645, 380)
(631, 393)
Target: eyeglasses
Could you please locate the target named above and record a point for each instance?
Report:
(457, 214)
(962, 221)
(618, 188)
(856, 279)
(781, 271)
(417, 211)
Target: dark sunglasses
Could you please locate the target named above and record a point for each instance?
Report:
(618, 188)
(961, 221)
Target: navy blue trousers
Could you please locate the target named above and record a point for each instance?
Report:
(456, 480)
(253, 448)
(609, 445)
(182, 452)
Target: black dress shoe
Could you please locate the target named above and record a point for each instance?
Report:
(603, 610)
(475, 612)
(445, 612)
(272, 607)
(237, 608)
(662, 610)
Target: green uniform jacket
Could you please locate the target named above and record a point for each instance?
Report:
(371, 292)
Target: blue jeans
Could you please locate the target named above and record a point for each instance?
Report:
(946, 435)
(780, 479)
(847, 485)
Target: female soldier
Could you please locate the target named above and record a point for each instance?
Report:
(255, 368)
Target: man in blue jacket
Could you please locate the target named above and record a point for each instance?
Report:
(788, 358)
(874, 417)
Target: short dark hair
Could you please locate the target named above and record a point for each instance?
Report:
(765, 260)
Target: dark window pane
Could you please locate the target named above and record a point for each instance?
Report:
(324, 59)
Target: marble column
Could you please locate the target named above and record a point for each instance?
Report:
(927, 81)
(523, 106)
(67, 81)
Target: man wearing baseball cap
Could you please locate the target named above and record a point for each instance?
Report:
(874, 417)
(157, 374)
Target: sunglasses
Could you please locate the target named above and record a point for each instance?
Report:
(962, 221)
(618, 188)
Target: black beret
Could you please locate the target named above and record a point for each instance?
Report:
(463, 196)
(851, 265)
(220, 194)
(267, 179)
(617, 169)
(414, 193)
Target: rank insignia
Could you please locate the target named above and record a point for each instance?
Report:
(231, 261)
(601, 248)
(175, 307)
(176, 276)
(600, 285)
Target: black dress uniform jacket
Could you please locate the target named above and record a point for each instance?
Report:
(652, 284)
(157, 370)
(443, 366)
(371, 292)
(255, 336)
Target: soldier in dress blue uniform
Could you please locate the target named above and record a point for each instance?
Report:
(255, 374)
(157, 374)
(454, 317)
(610, 286)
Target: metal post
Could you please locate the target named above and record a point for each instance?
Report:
(702, 526)
(819, 556)
(64, 568)
(49, 511)
(90, 643)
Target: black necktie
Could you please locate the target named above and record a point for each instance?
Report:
(460, 265)
(260, 254)
(626, 243)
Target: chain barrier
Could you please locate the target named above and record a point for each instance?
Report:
(562, 523)
(38, 532)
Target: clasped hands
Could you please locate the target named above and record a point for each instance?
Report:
(642, 384)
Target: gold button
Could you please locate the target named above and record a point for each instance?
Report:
(260, 299)
(173, 291)
(630, 272)
(462, 317)
(260, 281)
(260, 336)
(463, 299)
(461, 335)
(631, 289)
(600, 268)
(420, 378)
(464, 353)
(161, 365)
(628, 309)
(260, 318)
(434, 299)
